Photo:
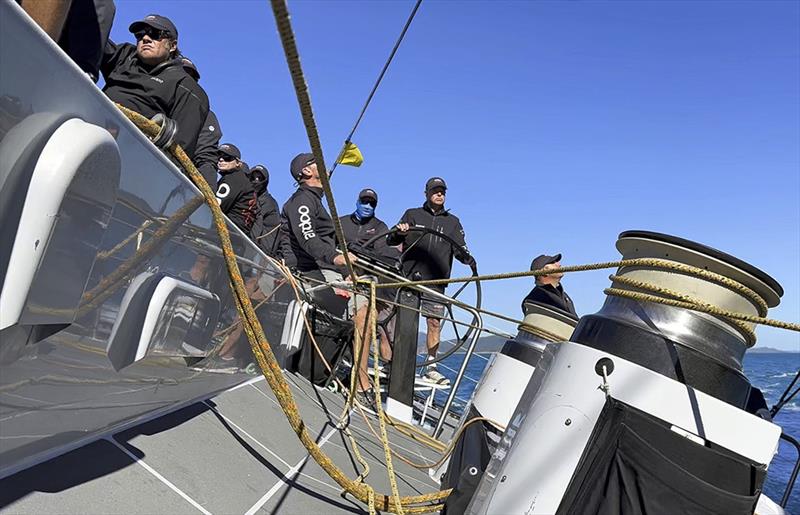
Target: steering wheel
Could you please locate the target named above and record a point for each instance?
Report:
(474, 267)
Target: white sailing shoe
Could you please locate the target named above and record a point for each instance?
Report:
(433, 376)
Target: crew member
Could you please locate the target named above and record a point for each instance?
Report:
(149, 78)
(205, 154)
(548, 289)
(431, 257)
(235, 193)
(313, 242)
(80, 27)
(266, 230)
(358, 228)
(362, 225)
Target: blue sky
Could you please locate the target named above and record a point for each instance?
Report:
(557, 125)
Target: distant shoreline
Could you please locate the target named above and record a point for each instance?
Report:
(770, 350)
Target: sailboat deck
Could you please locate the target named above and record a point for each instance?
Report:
(234, 453)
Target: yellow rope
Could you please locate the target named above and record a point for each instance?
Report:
(110, 252)
(373, 325)
(541, 333)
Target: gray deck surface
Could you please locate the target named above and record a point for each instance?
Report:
(233, 454)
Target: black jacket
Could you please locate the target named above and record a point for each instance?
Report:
(238, 200)
(552, 296)
(310, 229)
(267, 228)
(165, 88)
(428, 256)
(205, 155)
(361, 231)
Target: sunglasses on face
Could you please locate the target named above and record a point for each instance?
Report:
(154, 34)
(227, 159)
(369, 201)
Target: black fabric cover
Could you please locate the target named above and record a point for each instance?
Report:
(332, 335)
(471, 454)
(634, 464)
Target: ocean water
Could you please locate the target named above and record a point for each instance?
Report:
(772, 373)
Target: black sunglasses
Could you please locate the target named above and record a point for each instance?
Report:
(152, 33)
(371, 202)
(227, 158)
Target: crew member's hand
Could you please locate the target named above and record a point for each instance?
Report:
(403, 227)
(466, 258)
(340, 261)
(469, 260)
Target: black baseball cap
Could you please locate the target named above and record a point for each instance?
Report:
(543, 260)
(157, 22)
(299, 162)
(435, 182)
(369, 194)
(259, 174)
(230, 149)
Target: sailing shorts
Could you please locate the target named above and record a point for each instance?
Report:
(431, 309)
(357, 300)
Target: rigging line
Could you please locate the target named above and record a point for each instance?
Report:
(786, 397)
(281, 13)
(380, 78)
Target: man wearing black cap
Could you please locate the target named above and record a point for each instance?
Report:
(431, 257)
(312, 238)
(266, 230)
(235, 193)
(205, 154)
(149, 78)
(358, 228)
(311, 232)
(548, 289)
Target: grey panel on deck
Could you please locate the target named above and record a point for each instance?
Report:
(229, 454)
(95, 479)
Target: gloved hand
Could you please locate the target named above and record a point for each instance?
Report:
(466, 258)
(169, 128)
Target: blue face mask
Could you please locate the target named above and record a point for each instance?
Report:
(364, 211)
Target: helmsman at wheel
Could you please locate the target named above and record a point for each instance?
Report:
(430, 257)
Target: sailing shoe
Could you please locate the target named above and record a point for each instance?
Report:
(433, 376)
